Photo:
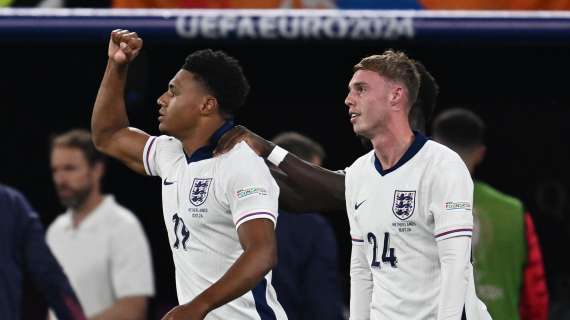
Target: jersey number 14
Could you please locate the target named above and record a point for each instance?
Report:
(179, 226)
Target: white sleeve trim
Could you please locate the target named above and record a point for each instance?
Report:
(356, 241)
(148, 156)
(257, 214)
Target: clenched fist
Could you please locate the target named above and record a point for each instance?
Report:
(124, 46)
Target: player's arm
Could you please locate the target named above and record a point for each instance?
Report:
(109, 122)
(451, 205)
(257, 237)
(127, 308)
(307, 187)
(454, 255)
(360, 271)
(360, 283)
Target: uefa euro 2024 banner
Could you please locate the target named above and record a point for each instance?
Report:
(60, 25)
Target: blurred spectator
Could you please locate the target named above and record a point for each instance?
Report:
(509, 271)
(376, 4)
(306, 278)
(496, 4)
(25, 252)
(225, 4)
(56, 3)
(100, 244)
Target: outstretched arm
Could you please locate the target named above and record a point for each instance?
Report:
(109, 121)
(304, 186)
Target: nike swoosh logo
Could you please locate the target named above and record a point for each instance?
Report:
(167, 183)
(357, 205)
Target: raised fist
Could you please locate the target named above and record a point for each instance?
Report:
(124, 46)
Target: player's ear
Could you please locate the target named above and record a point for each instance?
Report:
(209, 106)
(396, 96)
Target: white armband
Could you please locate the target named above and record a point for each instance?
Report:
(277, 155)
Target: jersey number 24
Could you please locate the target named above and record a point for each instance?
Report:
(388, 254)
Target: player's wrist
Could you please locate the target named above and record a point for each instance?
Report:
(197, 308)
(277, 155)
(115, 65)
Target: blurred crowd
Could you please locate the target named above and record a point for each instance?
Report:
(298, 4)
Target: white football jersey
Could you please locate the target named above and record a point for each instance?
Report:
(204, 201)
(397, 215)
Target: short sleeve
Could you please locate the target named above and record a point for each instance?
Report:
(160, 153)
(451, 201)
(251, 191)
(131, 265)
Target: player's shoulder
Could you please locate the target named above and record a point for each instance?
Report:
(362, 162)
(166, 141)
(242, 149)
(440, 153)
(487, 192)
(440, 156)
(239, 156)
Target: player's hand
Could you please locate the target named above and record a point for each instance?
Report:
(187, 311)
(240, 133)
(124, 46)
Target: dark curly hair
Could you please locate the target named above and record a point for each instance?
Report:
(422, 109)
(222, 76)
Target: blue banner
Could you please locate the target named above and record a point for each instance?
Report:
(53, 25)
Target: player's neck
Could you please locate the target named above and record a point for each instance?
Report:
(201, 135)
(391, 143)
(87, 207)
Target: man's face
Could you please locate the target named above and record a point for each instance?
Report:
(180, 104)
(368, 102)
(73, 177)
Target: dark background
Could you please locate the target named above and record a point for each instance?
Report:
(519, 89)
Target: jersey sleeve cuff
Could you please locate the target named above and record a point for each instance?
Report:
(357, 241)
(247, 216)
(148, 156)
(453, 232)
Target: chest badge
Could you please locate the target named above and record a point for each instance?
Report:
(199, 191)
(404, 204)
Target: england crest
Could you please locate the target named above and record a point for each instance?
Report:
(199, 191)
(404, 204)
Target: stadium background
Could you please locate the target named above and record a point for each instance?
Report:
(518, 84)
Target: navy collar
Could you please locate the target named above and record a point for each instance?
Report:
(206, 151)
(417, 144)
